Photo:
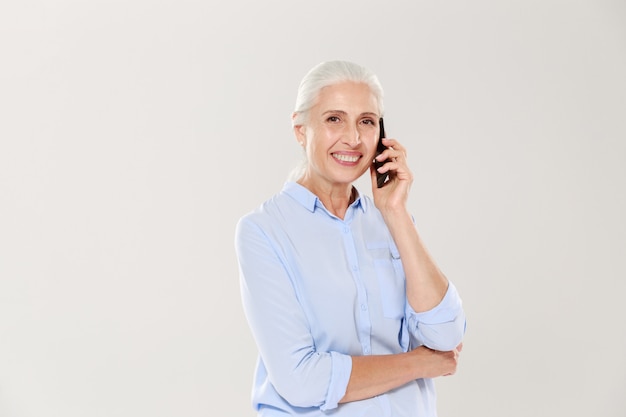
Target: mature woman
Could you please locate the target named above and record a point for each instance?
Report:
(350, 314)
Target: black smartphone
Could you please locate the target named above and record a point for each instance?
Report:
(380, 178)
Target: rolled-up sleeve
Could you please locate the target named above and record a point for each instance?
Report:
(300, 374)
(339, 377)
(441, 328)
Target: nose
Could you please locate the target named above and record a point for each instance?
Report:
(352, 137)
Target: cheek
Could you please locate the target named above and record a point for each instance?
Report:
(317, 142)
(332, 133)
(326, 137)
(371, 141)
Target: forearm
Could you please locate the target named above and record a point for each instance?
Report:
(375, 375)
(425, 283)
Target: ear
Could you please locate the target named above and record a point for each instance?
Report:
(299, 131)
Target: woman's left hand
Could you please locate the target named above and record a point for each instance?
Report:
(394, 194)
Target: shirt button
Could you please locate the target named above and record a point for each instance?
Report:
(366, 350)
(354, 268)
(346, 230)
(363, 307)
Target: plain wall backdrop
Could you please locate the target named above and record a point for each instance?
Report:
(134, 134)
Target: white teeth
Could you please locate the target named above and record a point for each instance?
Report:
(346, 158)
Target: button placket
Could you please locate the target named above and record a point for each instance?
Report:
(364, 324)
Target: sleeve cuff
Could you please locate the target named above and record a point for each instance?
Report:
(441, 328)
(340, 375)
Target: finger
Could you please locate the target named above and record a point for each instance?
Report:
(393, 143)
(383, 155)
(391, 154)
(398, 168)
(393, 147)
(389, 166)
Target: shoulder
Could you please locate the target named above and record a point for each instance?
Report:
(266, 215)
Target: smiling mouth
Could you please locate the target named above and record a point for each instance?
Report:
(346, 158)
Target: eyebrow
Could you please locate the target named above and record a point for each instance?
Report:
(367, 113)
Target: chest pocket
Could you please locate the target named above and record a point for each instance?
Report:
(390, 277)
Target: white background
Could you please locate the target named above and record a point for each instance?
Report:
(135, 133)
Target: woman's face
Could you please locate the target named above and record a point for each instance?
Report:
(340, 135)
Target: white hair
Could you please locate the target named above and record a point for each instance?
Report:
(331, 73)
(323, 75)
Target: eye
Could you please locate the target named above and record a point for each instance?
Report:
(333, 119)
(368, 122)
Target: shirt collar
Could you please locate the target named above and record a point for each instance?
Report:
(309, 200)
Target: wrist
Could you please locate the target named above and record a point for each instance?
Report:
(393, 215)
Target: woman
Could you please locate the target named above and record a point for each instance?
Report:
(350, 314)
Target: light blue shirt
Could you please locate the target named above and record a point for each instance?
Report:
(317, 290)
